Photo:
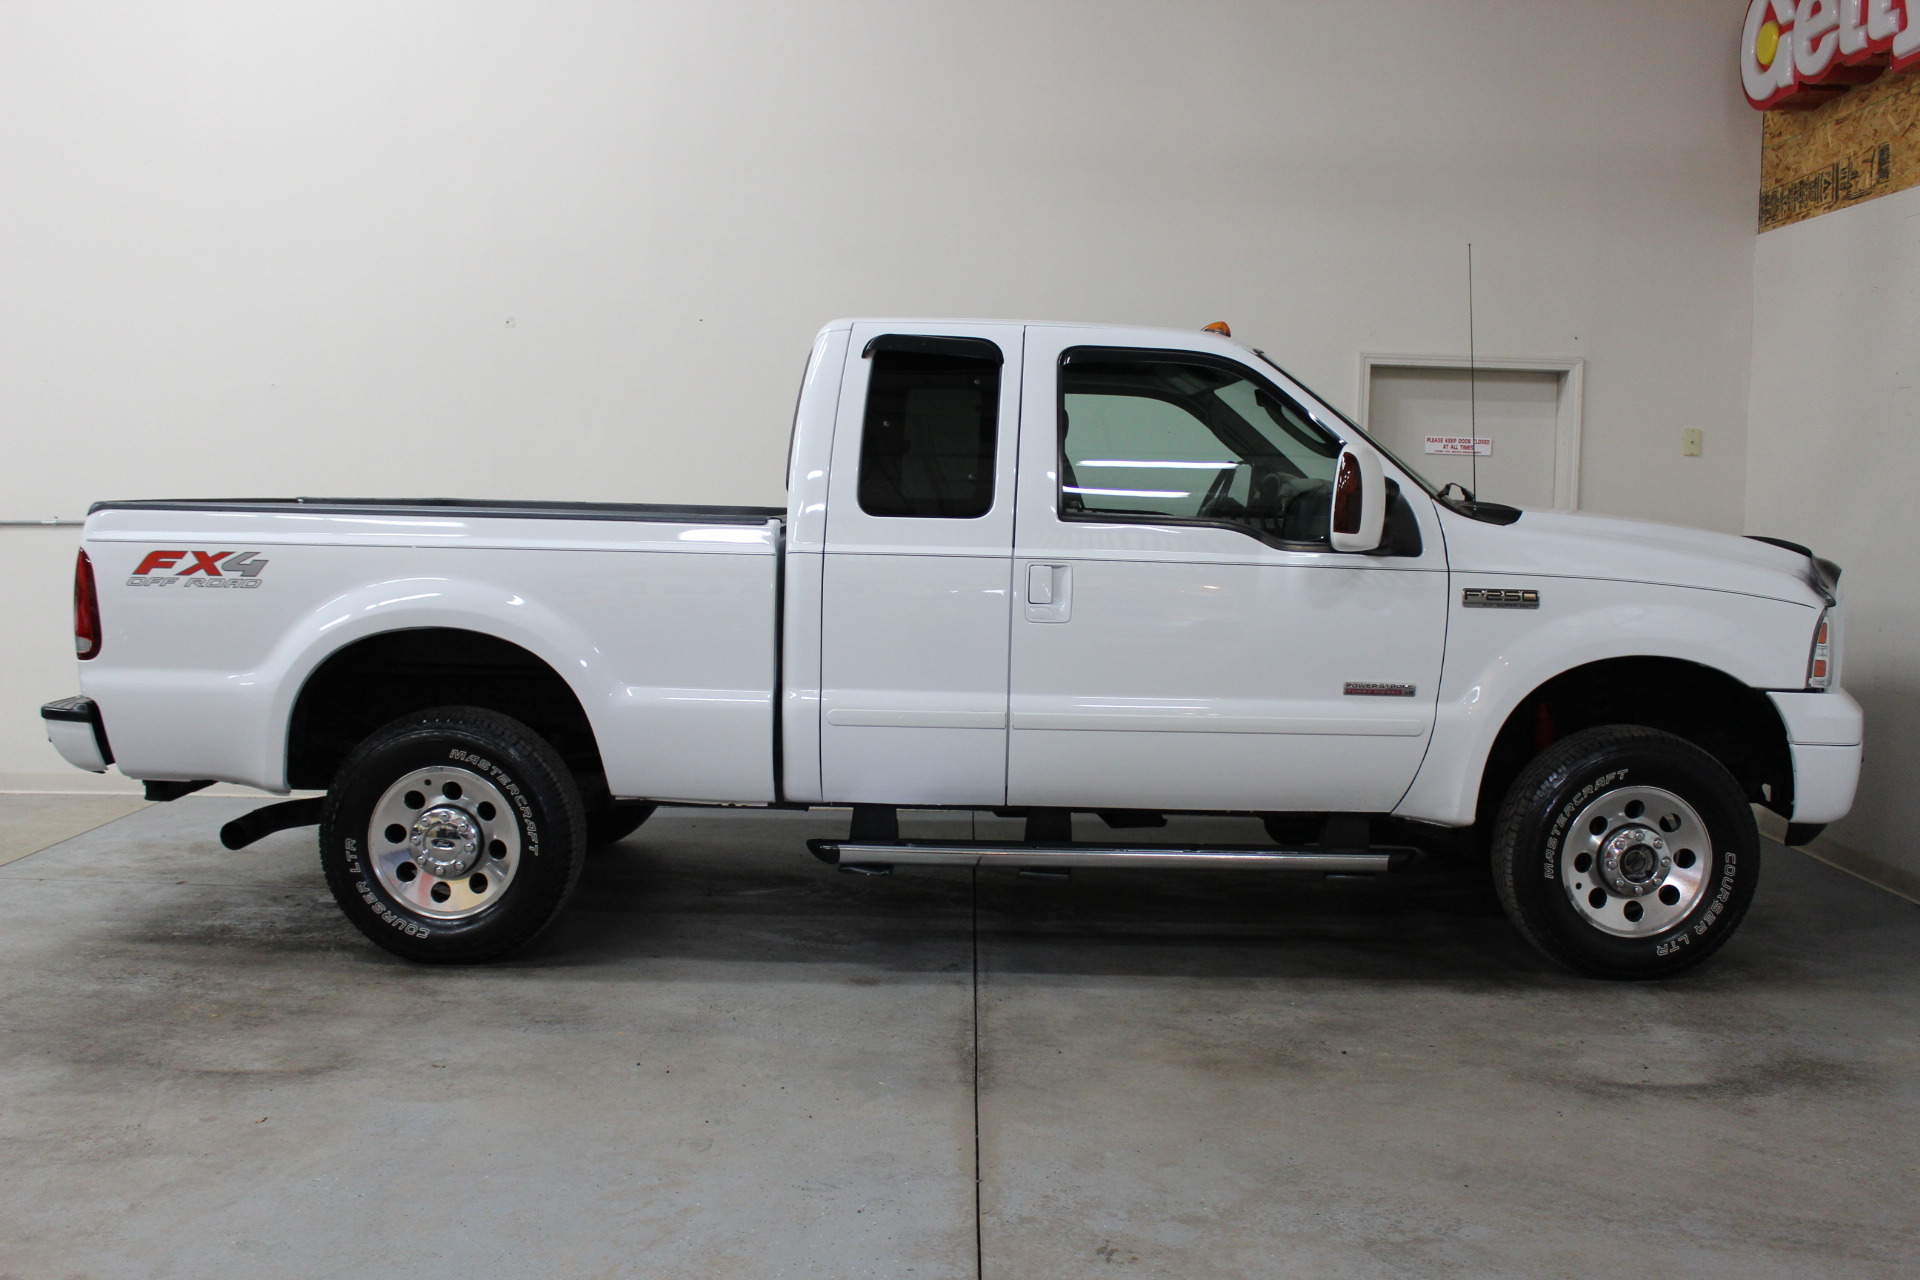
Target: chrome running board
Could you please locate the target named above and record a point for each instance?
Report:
(872, 855)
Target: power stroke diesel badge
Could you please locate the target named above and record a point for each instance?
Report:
(234, 569)
(1378, 689)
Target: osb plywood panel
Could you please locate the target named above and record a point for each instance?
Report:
(1863, 144)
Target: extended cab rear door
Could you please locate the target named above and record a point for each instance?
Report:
(916, 575)
(1184, 636)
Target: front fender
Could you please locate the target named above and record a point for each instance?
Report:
(1497, 657)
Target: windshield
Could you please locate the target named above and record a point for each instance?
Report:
(1431, 489)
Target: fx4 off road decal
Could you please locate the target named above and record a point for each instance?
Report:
(205, 569)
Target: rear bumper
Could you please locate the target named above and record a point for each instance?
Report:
(75, 730)
(1823, 736)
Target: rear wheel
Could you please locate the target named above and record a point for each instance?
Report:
(1626, 852)
(453, 836)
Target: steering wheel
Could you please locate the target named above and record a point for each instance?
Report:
(1264, 494)
(1218, 489)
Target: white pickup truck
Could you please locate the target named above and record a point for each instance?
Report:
(1035, 568)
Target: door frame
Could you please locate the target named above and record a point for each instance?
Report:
(902, 719)
(1567, 411)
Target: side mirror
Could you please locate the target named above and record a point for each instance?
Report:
(1359, 501)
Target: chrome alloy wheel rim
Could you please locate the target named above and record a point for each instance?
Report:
(1635, 861)
(444, 843)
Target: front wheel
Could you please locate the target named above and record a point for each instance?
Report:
(453, 836)
(1626, 852)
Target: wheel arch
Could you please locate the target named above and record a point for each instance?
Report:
(377, 678)
(1730, 720)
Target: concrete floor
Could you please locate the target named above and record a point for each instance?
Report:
(30, 823)
(731, 1061)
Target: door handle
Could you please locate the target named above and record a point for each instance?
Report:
(1049, 592)
(1039, 584)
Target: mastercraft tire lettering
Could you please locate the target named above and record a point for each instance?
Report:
(1625, 852)
(453, 836)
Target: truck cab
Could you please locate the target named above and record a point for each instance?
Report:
(1088, 567)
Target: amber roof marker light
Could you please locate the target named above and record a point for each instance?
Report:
(1219, 327)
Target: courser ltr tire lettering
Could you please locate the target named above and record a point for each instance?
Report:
(534, 841)
(1687, 901)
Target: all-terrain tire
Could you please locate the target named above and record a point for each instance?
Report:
(1625, 852)
(453, 836)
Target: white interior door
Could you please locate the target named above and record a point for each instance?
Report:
(1517, 411)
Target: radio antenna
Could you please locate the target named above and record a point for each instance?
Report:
(1473, 395)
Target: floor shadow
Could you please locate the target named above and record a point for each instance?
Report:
(735, 890)
(664, 896)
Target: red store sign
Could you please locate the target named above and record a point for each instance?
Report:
(1785, 46)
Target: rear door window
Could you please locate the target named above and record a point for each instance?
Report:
(927, 444)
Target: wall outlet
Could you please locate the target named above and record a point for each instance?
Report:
(1690, 442)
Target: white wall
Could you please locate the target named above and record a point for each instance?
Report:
(36, 657)
(276, 248)
(1834, 463)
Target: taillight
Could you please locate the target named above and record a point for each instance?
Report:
(86, 610)
(1820, 662)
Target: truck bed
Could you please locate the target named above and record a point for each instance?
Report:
(662, 619)
(477, 507)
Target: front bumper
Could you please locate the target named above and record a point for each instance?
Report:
(1823, 737)
(75, 730)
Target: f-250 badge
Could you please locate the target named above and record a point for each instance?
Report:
(1498, 598)
(234, 569)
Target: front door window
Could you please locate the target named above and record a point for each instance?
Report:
(1169, 437)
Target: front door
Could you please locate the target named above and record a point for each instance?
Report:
(917, 566)
(1185, 638)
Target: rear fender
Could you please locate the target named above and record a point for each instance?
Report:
(401, 604)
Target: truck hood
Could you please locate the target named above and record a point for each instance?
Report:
(1564, 544)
